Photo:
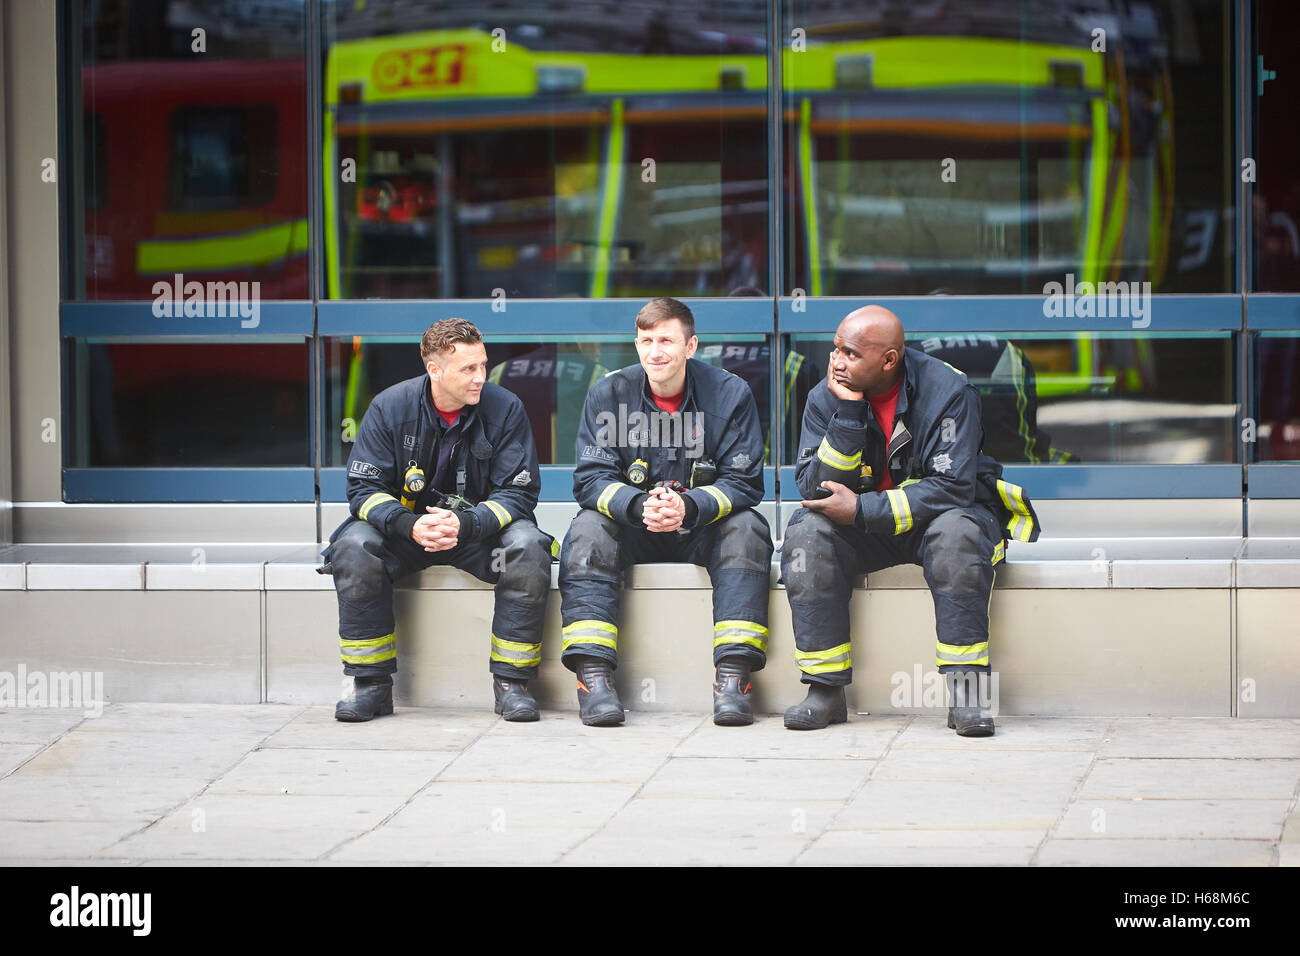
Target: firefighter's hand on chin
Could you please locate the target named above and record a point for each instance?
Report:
(436, 531)
(841, 505)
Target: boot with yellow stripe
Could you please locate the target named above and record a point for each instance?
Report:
(370, 697)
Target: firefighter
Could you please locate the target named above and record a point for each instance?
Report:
(670, 458)
(891, 472)
(443, 471)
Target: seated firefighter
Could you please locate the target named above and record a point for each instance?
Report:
(443, 471)
(670, 458)
(891, 468)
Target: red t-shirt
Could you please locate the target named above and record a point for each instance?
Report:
(449, 417)
(669, 404)
(883, 406)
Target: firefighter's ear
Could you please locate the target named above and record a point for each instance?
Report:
(691, 345)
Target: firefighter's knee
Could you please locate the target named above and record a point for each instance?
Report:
(358, 561)
(809, 565)
(743, 543)
(591, 549)
(952, 543)
(525, 562)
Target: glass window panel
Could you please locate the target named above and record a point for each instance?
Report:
(550, 374)
(1276, 193)
(592, 150)
(189, 405)
(1277, 376)
(193, 160)
(988, 149)
(1049, 398)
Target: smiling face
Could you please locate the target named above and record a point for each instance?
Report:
(663, 349)
(457, 375)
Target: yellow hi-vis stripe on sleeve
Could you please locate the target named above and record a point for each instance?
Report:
(1021, 525)
(501, 514)
(724, 503)
(606, 496)
(379, 648)
(838, 658)
(516, 653)
(740, 632)
(828, 455)
(370, 502)
(589, 632)
(902, 510)
(962, 653)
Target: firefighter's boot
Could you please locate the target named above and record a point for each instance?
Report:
(967, 715)
(598, 701)
(369, 697)
(732, 706)
(513, 701)
(824, 705)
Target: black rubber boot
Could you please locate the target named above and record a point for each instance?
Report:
(370, 697)
(824, 705)
(731, 704)
(513, 702)
(597, 699)
(966, 716)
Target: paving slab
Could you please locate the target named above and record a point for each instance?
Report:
(62, 839)
(28, 725)
(1181, 853)
(517, 845)
(975, 765)
(689, 818)
(211, 812)
(505, 806)
(638, 723)
(767, 737)
(956, 805)
(578, 759)
(1013, 733)
(414, 728)
(605, 850)
(13, 756)
(1190, 779)
(1203, 737)
(243, 720)
(336, 772)
(300, 843)
(1174, 819)
(36, 797)
(26, 861)
(749, 778)
(133, 754)
(870, 848)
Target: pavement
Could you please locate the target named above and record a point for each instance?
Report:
(147, 784)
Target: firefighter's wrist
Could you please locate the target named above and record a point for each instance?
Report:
(469, 526)
(850, 409)
(692, 516)
(636, 508)
(404, 524)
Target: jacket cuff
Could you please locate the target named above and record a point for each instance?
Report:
(636, 508)
(851, 410)
(692, 517)
(470, 526)
(403, 523)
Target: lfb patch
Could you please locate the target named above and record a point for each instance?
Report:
(942, 463)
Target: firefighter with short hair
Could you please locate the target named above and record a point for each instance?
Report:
(670, 458)
(443, 471)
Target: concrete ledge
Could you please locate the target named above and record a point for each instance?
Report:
(1269, 563)
(208, 576)
(13, 577)
(85, 577)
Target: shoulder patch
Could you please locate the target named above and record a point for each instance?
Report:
(522, 479)
(363, 469)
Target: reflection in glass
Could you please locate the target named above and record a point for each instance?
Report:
(1054, 399)
(1276, 193)
(991, 148)
(587, 150)
(552, 376)
(193, 405)
(1278, 382)
(191, 149)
